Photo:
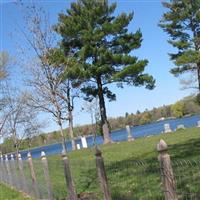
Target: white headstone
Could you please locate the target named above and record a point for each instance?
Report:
(167, 128)
(43, 154)
(198, 124)
(130, 137)
(181, 126)
(19, 156)
(84, 142)
(11, 157)
(78, 146)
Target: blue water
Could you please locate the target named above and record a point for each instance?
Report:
(119, 135)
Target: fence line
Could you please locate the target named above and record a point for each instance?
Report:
(164, 179)
(33, 176)
(102, 175)
(166, 172)
(46, 174)
(22, 175)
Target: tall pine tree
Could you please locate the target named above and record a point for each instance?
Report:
(102, 51)
(182, 23)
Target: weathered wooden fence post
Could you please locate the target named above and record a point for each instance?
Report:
(166, 171)
(33, 176)
(68, 177)
(46, 175)
(102, 175)
(21, 173)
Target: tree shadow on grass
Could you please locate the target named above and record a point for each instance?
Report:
(128, 179)
(189, 150)
(140, 179)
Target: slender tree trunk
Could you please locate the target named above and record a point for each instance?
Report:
(196, 46)
(104, 120)
(16, 144)
(17, 151)
(71, 132)
(64, 149)
(198, 75)
(70, 118)
(59, 121)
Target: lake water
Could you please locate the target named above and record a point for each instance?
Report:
(119, 135)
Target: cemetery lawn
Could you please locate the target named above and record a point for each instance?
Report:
(9, 194)
(132, 168)
(126, 171)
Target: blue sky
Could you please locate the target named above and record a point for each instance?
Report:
(155, 48)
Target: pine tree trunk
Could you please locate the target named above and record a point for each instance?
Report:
(104, 121)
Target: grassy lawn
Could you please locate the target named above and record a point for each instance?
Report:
(9, 194)
(132, 168)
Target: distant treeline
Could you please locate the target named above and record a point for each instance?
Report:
(184, 107)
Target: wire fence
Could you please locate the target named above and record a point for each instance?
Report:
(134, 179)
(187, 178)
(56, 174)
(86, 179)
(124, 180)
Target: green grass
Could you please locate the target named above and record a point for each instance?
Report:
(10, 194)
(129, 178)
(132, 168)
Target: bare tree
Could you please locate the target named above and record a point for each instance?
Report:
(21, 120)
(44, 96)
(92, 108)
(51, 93)
(4, 60)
